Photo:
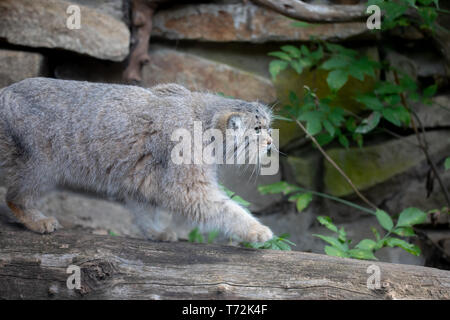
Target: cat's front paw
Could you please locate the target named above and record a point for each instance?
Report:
(258, 233)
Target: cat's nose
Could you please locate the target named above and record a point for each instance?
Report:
(269, 141)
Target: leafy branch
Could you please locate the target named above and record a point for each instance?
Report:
(340, 246)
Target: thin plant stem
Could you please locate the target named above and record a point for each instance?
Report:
(331, 161)
(421, 139)
(324, 195)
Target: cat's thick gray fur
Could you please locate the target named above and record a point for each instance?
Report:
(115, 140)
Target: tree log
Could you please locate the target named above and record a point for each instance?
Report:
(34, 266)
(315, 13)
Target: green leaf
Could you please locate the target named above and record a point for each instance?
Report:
(212, 236)
(329, 127)
(408, 83)
(313, 126)
(326, 221)
(364, 66)
(276, 66)
(430, 91)
(297, 66)
(359, 139)
(375, 233)
(278, 187)
(292, 50)
(384, 219)
(410, 217)
(342, 235)
(336, 116)
(311, 116)
(386, 87)
(241, 201)
(370, 101)
(335, 252)
(234, 196)
(356, 72)
(281, 55)
(362, 254)
(278, 117)
(447, 164)
(336, 79)
(318, 54)
(276, 243)
(303, 200)
(333, 241)
(283, 246)
(336, 48)
(304, 49)
(395, 242)
(195, 236)
(284, 237)
(369, 123)
(343, 140)
(335, 62)
(404, 231)
(324, 138)
(366, 244)
(392, 100)
(391, 115)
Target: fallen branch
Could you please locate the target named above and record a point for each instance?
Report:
(315, 13)
(34, 266)
(141, 27)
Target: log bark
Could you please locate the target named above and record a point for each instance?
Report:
(315, 13)
(34, 266)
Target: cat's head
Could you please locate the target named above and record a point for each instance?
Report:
(246, 128)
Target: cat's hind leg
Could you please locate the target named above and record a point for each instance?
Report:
(23, 205)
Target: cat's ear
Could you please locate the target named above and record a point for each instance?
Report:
(234, 122)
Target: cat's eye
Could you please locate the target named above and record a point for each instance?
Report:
(258, 130)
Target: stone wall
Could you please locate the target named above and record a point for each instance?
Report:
(222, 46)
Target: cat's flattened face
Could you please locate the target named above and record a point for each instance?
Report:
(251, 127)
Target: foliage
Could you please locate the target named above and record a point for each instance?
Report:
(301, 200)
(339, 245)
(276, 243)
(196, 236)
(402, 13)
(324, 117)
(326, 120)
(235, 197)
